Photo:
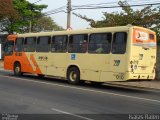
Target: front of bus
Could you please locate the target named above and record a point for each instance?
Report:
(8, 53)
(143, 54)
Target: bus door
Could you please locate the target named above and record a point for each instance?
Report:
(118, 58)
(29, 46)
(8, 55)
(96, 63)
(56, 65)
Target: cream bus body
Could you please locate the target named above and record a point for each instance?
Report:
(136, 60)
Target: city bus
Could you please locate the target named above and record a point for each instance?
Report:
(98, 55)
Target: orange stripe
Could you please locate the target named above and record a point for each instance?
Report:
(38, 71)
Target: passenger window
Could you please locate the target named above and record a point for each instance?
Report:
(78, 43)
(119, 43)
(59, 43)
(19, 45)
(29, 44)
(100, 43)
(43, 44)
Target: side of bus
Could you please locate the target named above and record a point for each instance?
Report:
(97, 55)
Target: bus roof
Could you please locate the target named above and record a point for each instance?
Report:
(92, 30)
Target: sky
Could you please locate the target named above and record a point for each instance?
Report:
(78, 23)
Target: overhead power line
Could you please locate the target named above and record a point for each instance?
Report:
(116, 3)
(117, 6)
(93, 4)
(55, 10)
(96, 6)
(37, 1)
(30, 22)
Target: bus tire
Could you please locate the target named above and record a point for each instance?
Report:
(17, 69)
(73, 75)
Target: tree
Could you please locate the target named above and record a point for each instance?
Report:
(147, 17)
(27, 12)
(7, 10)
(45, 24)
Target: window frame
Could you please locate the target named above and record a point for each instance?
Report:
(66, 45)
(85, 35)
(15, 44)
(125, 39)
(94, 52)
(10, 53)
(35, 39)
(49, 43)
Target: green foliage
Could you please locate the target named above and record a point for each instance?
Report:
(147, 17)
(27, 13)
(45, 24)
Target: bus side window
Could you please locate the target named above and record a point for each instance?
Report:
(29, 44)
(59, 43)
(100, 43)
(78, 43)
(43, 44)
(19, 45)
(119, 43)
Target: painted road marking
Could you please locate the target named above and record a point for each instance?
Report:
(63, 112)
(115, 85)
(84, 89)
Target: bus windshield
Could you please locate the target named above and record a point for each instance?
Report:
(9, 48)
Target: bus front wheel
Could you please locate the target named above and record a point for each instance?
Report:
(17, 69)
(73, 75)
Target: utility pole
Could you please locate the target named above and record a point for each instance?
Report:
(69, 9)
(30, 22)
(30, 26)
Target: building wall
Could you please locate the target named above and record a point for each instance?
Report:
(3, 38)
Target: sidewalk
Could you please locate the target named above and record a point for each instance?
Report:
(154, 84)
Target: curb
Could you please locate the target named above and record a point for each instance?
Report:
(131, 86)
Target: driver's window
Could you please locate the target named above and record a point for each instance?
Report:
(9, 48)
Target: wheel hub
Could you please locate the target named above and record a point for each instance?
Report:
(17, 69)
(73, 76)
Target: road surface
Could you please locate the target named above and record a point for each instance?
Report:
(30, 96)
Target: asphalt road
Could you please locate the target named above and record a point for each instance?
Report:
(30, 96)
